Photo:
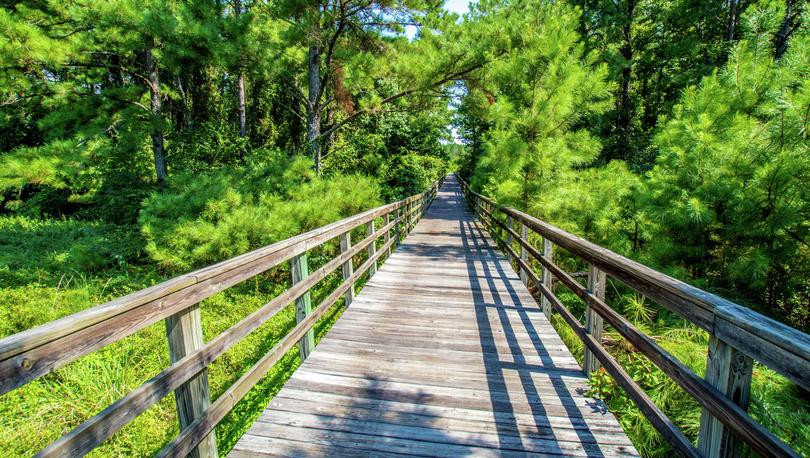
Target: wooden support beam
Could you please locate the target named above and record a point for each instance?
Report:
(348, 266)
(184, 333)
(524, 255)
(728, 370)
(509, 234)
(387, 233)
(303, 305)
(594, 324)
(372, 249)
(548, 252)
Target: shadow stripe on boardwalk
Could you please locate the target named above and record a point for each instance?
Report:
(442, 353)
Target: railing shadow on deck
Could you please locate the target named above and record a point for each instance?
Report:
(475, 241)
(737, 335)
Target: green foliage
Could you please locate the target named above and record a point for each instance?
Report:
(203, 219)
(729, 194)
(410, 174)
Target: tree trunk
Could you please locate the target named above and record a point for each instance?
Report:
(624, 115)
(313, 101)
(242, 112)
(158, 148)
(732, 20)
(241, 84)
(784, 31)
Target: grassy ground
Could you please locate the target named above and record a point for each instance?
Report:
(55, 268)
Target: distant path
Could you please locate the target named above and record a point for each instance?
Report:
(443, 353)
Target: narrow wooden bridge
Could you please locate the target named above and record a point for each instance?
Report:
(444, 352)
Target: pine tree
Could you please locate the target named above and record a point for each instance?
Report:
(729, 190)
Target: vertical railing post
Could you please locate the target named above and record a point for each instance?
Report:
(303, 305)
(184, 333)
(386, 222)
(509, 233)
(348, 266)
(524, 255)
(594, 324)
(548, 254)
(728, 370)
(398, 232)
(372, 249)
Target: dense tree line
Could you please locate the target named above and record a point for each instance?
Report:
(674, 132)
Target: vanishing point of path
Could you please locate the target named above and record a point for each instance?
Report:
(443, 353)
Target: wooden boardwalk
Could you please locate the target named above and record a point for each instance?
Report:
(443, 353)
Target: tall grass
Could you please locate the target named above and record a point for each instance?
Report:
(44, 277)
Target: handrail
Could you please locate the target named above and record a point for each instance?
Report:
(30, 354)
(737, 333)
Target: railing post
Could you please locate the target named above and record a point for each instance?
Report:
(348, 266)
(728, 370)
(548, 252)
(184, 333)
(398, 231)
(509, 234)
(372, 249)
(594, 324)
(386, 222)
(524, 255)
(303, 305)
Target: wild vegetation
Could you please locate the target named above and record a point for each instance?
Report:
(141, 139)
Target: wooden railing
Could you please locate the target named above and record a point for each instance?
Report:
(736, 334)
(31, 354)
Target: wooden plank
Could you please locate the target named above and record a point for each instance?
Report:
(348, 266)
(728, 370)
(299, 268)
(594, 324)
(184, 333)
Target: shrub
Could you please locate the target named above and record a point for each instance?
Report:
(202, 219)
(411, 173)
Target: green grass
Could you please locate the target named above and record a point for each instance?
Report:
(45, 276)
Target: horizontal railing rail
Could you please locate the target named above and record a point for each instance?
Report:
(31, 354)
(737, 335)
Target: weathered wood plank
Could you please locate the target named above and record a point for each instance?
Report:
(299, 268)
(184, 334)
(594, 324)
(348, 266)
(728, 370)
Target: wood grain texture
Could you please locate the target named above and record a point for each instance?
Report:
(299, 268)
(730, 372)
(185, 336)
(443, 353)
(594, 324)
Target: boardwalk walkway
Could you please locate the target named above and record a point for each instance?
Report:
(443, 353)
